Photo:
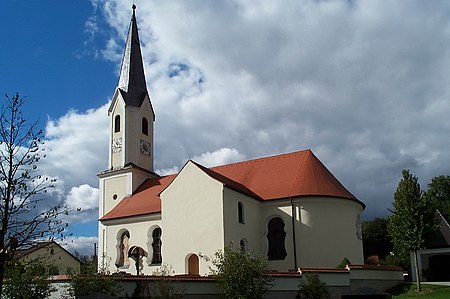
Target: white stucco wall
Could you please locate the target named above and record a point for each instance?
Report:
(117, 159)
(327, 232)
(282, 209)
(142, 160)
(192, 219)
(116, 186)
(140, 229)
(200, 216)
(325, 229)
(133, 135)
(251, 229)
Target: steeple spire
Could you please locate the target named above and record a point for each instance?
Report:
(132, 83)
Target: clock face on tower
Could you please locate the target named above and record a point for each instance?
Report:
(145, 147)
(116, 145)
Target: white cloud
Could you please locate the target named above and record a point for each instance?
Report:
(77, 146)
(84, 197)
(91, 27)
(167, 171)
(361, 83)
(80, 245)
(219, 157)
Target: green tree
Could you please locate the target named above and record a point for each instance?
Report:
(90, 282)
(376, 240)
(412, 220)
(27, 280)
(166, 286)
(26, 214)
(439, 193)
(311, 287)
(242, 274)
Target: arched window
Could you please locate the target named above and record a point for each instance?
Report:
(240, 212)
(276, 237)
(117, 124)
(243, 244)
(156, 245)
(144, 126)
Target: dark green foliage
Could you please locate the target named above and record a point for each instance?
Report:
(413, 218)
(376, 240)
(91, 282)
(439, 193)
(242, 274)
(397, 260)
(165, 287)
(311, 287)
(344, 263)
(27, 280)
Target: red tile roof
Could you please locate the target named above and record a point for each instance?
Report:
(277, 177)
(284, 176)
(144, 201)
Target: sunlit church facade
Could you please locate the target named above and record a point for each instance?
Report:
(289, 208)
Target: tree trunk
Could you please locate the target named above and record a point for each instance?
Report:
(2, 268)
(416, 264)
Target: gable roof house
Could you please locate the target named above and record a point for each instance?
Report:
(288, 207)
(51, 254)
(434, 260)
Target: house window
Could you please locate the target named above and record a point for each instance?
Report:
(276, 236)
(241, 212)
(144, 126)
(117, 124)
(156, 245)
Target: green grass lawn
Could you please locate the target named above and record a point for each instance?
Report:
(428, 291)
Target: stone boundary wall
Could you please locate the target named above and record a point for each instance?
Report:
(355, 279)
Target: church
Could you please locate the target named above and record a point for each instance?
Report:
(289, 208)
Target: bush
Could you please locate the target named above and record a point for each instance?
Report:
(27, 280)
(311, 287)
(91, 282)
(242, 274)
(344, 263)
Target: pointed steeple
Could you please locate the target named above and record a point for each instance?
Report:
(132, 83)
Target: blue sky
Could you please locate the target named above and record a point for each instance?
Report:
(363, 84)
(48, 56)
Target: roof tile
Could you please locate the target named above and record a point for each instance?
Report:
(277, 177)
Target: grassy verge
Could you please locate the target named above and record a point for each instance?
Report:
(404, 291)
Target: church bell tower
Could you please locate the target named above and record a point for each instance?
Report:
(131, 112)
(131, 117)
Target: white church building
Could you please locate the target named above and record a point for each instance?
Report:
(290, 207)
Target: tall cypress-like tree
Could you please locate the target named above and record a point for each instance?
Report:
(413, 219)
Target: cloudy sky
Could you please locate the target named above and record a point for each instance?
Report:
(363, 84)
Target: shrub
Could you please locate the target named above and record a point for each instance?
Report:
(242, 274)
(311, 287)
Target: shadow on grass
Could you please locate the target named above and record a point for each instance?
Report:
(402, 288)
(410, 289)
